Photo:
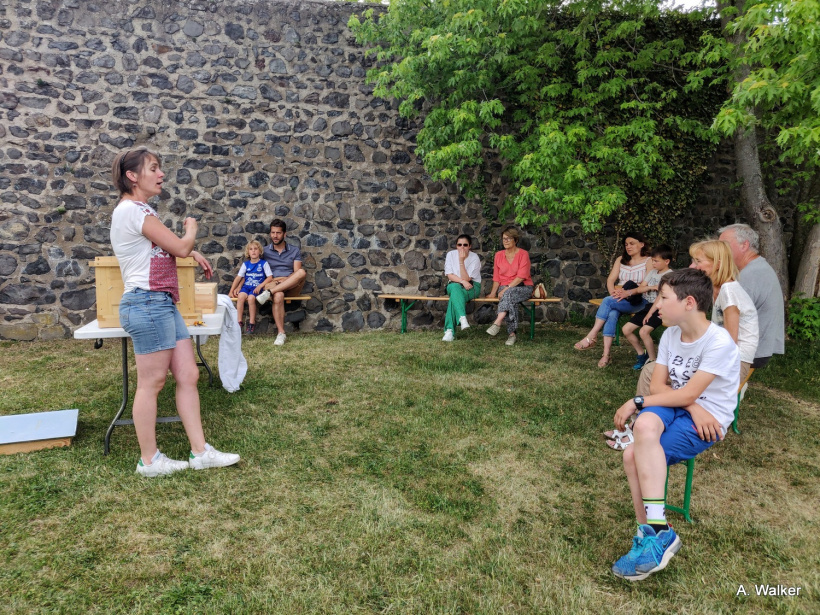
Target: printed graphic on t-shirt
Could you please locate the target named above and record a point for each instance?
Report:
(162, 271)
(679, 372)
(254, 273)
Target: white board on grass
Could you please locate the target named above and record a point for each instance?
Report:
(24, 432)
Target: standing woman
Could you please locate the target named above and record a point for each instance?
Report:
(631, 266)
(147, 253)
(463, 269)
(511, 281)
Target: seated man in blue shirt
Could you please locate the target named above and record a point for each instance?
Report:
(285, 262)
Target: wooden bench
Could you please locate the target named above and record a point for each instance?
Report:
(407, 301)
(287, 299)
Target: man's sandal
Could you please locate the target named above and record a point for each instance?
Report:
(581, 346)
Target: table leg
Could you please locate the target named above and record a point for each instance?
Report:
(203, 363)
(124, 393)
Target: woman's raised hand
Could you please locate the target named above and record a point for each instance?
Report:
(202, 261)
(191, 225)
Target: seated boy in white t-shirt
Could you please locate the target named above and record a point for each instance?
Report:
(676, 422)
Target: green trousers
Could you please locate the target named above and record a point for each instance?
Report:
(457, 306)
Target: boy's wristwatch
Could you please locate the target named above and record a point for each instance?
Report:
(638, 401)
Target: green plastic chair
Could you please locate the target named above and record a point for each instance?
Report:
(735, 428)
(687, 491)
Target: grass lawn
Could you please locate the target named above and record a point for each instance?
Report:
(387, 473)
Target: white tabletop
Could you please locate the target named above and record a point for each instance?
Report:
(212, 326)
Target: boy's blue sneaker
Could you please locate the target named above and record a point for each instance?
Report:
(626, 565)
(641, 361)
(653, 553)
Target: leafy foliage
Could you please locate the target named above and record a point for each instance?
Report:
(804, 317)
(582, 105)
(774, 57)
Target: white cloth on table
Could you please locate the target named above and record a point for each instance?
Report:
(232, 363)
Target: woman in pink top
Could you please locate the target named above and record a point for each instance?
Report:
(147, 251)
(511, 282)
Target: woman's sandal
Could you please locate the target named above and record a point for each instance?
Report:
(620, 439)
(581, 346)
(605, 361)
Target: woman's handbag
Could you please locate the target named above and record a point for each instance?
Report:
(540, 291)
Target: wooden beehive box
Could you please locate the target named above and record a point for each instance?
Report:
(110, 288)
(205, 297)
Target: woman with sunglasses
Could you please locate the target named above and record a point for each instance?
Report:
(147, 251)
(463, 269)
(511, 281)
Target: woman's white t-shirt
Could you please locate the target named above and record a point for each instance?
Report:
(748, 333)
(472, 264)
(142, 263)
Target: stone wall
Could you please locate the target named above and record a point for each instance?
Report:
(260, 109)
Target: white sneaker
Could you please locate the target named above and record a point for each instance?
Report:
(493, 330)
(448, 336)
(212, 458)
(160, 466)
(263, 297)
(510, 340)
(463, 322)
(280, 339)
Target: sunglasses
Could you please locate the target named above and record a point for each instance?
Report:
(462, 245)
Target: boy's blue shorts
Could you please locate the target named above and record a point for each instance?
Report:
(680, 439)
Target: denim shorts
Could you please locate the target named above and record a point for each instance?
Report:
(680, 439)
(152, 320)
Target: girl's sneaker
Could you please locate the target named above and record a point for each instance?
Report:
(250, 328)
(212, 458)
(160, 466)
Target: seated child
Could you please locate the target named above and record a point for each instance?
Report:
(676, 422)
(647, 319)
(253, 275)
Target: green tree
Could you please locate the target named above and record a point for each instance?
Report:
(583, 106)
(770, 55)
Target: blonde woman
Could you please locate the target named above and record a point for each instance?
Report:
(733, 309)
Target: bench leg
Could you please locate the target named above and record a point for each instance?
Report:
(405, 307)
(530, 309)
